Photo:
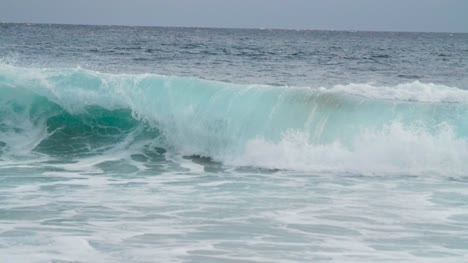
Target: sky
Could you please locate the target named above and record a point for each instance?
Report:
(372, 15)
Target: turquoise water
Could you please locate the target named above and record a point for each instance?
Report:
(254, 150)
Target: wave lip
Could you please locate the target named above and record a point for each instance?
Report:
(414, 91)
(411, 128)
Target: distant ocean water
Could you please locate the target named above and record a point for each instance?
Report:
(151, 144)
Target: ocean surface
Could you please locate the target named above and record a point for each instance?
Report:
(152, 144)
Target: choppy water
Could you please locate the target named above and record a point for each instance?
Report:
(130, 144)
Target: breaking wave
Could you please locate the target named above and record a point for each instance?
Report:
(412, 128)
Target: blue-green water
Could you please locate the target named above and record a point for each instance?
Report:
(128, 144)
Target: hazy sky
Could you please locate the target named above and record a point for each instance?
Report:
(390, 15)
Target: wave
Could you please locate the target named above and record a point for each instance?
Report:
(411, 128)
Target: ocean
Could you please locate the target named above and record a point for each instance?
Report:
(160, 144)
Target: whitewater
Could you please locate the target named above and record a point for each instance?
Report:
(320, 149)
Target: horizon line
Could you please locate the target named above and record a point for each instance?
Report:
(239, 28)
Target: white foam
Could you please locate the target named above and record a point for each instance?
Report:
(393, 150)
